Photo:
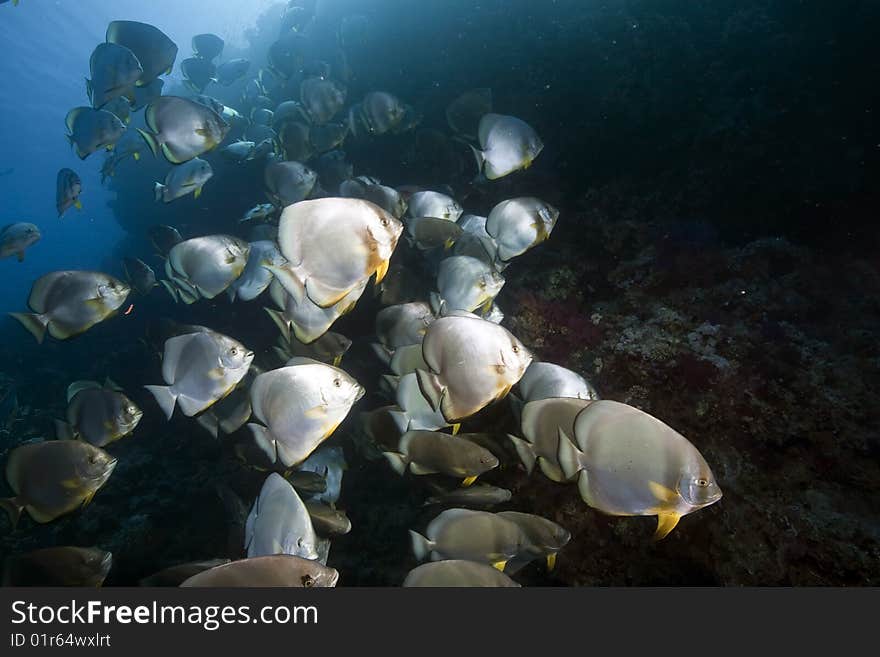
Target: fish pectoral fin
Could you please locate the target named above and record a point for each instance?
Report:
(551, 561)
(500, 565)
(381, 270)
(316, 412)
(70, 484)
(666, 522)
(662, 493)
(198, 192)
(468, 481)
(455, 428)
(337, 360)
(78, 204)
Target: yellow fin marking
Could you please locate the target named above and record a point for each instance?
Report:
(468, 481)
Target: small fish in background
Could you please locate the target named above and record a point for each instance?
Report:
(121, 107)
(256, 277)
(289, 182)
(182, 129)
(58, 566)
(16, 238)
(187, 178)
(426, 233)
(473, 535)
(328, 136)
(68, 188)
(97, 414)
(53, 478)
(207, 46)
(114, 72)
(200, 369)
(464, 113)
(432, 452)
(629, 463)
(545, 538)
(154, 50)
(91, 130)
(328, 520)
(507, 144)
(198, 73)
(67, 303)
(322, 98)
(434, 204)
(277, 570)
(261, 116)
(164, 238)
(465, 283)
(232, 70)
(240, 151)
(262, 212)
(387, 198)
(140, 275)
(458, 573)
(379, 112)
(479, 496)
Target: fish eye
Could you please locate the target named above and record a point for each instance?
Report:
(337, 382)
(308, 581)
(515, 349)
(234, 351)
(384, 221)
(702, 483)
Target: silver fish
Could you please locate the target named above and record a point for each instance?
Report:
(15, 238)
(434, 204)
(332, 246)
(474, 535)
(207, 46)
(187, 178)
(279, 522)
(519, 224)
(508, 144)
(541, 423)
(68, 188)
(380, 112)
(431, 452)
(54, 477)
(330, 463)
(234, 69)
(67, 303)
(198, 73)
(256, 278)
(301, 406)
(200, 368)
(289, 182)
(140, 275)
(308, 320)
(473, 362)
(387, 198)
(480, 496)
(58, 566)
(458, 573)
(182, 129)
(629, 463)
(544, 380)
(545, 537)
(115, 70)
(277, 570)
(322, 98)
(427, 233)
(207, 265)
(91, 130)
(466, 283)
(154, 50)
(260, 212)
(97, 414)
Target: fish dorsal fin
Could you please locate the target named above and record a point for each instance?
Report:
(77, 386)
(174, 349)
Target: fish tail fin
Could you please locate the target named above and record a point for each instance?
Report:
(569, 456)
(280, 321)
(479, 157)
(421, 546)
(151, 140)
(165, 398)
(526, 452)
(63, 431)
(13, 510)
(159, 191)
(36, 324)
(397, 461)
(431, 388)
